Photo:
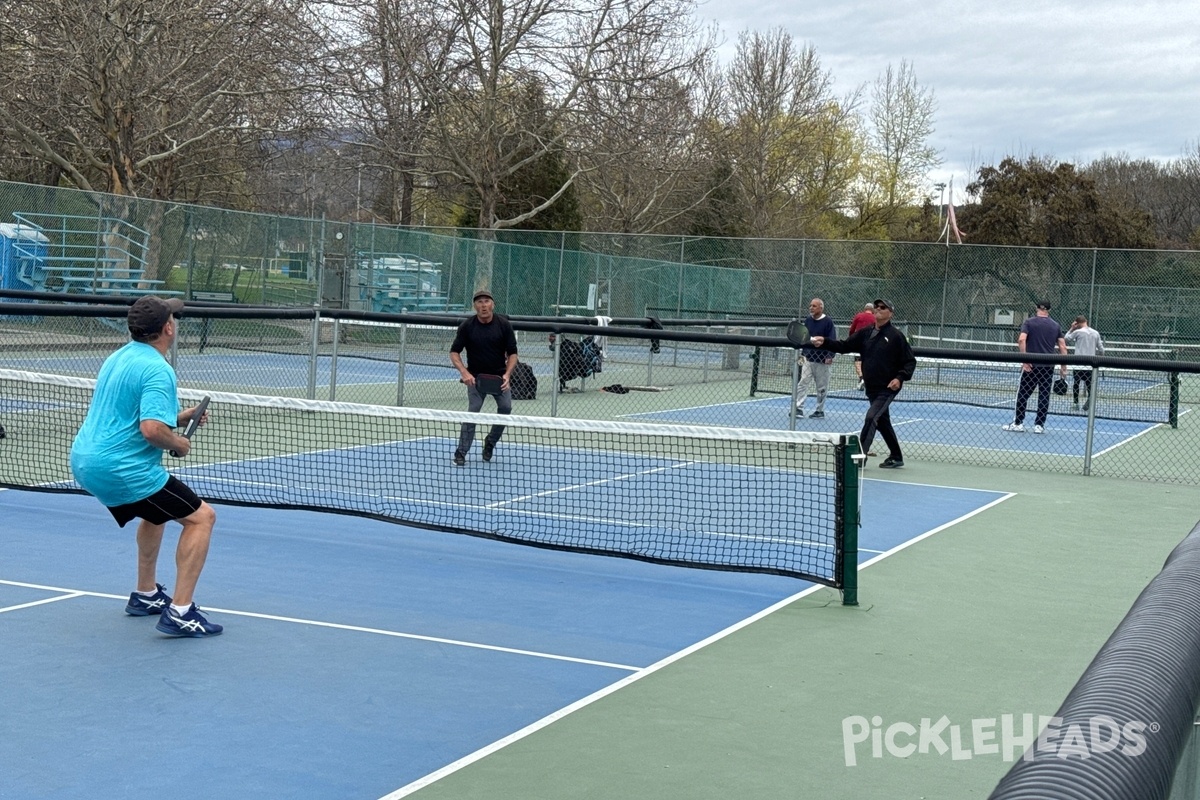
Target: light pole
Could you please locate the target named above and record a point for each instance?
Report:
(941, 187)
(358, 196)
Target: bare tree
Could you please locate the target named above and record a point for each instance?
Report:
(510, 91)
(645, 132)
(131, 96)
(482, 129)
(899, 155)
(395, 55)
(790, 138)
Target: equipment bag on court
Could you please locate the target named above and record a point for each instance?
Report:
(524, 382)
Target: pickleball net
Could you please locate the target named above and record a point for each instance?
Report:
(1134, 385)
(780, 502)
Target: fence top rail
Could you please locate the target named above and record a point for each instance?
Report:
(29, 216)
(105, 308)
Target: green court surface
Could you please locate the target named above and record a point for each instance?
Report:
(997, 615)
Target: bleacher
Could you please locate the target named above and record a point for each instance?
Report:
(401, 282)
(77, 255)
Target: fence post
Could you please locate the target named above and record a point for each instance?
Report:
(314, 350)
(333, 359)
(400, 364)
(1092, 288)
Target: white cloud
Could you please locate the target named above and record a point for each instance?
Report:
(1069, 79)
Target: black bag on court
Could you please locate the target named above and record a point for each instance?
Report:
(523, 382)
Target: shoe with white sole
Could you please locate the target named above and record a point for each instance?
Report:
(192, 624)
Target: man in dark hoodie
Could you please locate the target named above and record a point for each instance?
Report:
(887, 362)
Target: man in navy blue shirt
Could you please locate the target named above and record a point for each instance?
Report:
(1039, 334)
(815, 363)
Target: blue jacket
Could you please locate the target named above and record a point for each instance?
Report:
(818, 327)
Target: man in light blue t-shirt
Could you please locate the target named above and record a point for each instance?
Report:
(117, 457)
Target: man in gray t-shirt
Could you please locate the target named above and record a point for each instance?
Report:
(1039, 334)
(1087, 342)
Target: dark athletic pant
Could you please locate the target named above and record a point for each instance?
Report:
(475, 404)
(879, 419)
(1040, 378)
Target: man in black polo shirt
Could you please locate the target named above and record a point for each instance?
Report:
(491, 347)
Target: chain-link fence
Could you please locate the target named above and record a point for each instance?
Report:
(1131, 418)
(94, 243)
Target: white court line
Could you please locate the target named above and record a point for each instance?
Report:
(336, 626)
(704, 407)
(499, 744)
(938, 529)
(597, 482)
(1126, 439)
(69, 596)
(534, 727)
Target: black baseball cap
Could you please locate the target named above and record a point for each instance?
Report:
(1044, 305)
(482, 293)
(879, 301)
(148, 314)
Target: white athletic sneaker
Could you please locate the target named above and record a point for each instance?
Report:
(1016, 426)
(1038, 429)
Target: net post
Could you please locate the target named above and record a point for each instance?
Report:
(849, 455)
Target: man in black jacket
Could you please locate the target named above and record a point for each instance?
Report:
(887, 362)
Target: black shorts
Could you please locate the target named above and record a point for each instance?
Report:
(173, 501)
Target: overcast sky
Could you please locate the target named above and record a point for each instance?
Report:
(1070, 79)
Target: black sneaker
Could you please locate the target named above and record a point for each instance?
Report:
(891, 463)
(817, 415)
(460, 460)
(799, 411)
(488, 448)
(141, 606)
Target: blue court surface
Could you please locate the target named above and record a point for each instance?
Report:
(948, 424)
(359, 658)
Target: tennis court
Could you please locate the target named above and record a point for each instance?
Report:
(367, 659)
(359, 656)
(931, 423)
